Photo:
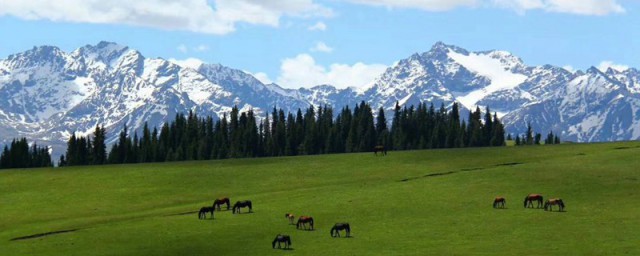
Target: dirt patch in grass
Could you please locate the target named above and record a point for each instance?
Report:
(43, 234)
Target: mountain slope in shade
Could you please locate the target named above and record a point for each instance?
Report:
(49, 93)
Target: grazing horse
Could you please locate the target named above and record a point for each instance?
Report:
(302, 222)
(202, 214)
(528, 201)
(290, 217)
(241, 204)
(380, 149)
(281, 239)
(499, 202)
(548, 205)
(340, 226)
(221, 201)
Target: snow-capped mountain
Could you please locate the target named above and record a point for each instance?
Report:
(49, 93)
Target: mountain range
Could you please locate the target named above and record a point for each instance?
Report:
(48, 94)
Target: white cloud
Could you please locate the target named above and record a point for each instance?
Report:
(188, 63)
(569, 68)
(320, 26)
(429, 5)
(609, 64)
(201, 48)
(580, 7)
(262, 77)
(303, 71)
(202, 16)
(321, 47)
(182, 48)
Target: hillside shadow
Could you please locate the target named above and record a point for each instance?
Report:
(43, 234)
(458, 171)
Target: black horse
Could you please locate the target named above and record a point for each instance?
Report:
(221, 201)
(548, 205)
(281, 239)
(528, 201)
(335, 230)
(380, 149)
(241, 204)
(202, 214)
(302, 222)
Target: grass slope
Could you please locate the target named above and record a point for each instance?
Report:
(393, 204)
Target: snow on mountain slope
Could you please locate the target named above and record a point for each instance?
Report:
(484, 65)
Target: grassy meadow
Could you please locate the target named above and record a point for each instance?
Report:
(433, 202)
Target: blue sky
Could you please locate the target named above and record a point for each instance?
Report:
(343, 42)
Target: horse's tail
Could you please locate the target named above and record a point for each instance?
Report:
(289, 241)
(311, 222)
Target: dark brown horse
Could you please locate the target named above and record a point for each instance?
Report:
(302, 222)
(528, 201)
(499, 202)
(221, 201)
(380, 149)
(290, 217)
(548, 205)
(241, 204)
(335, 230)
(281, 239)
(202, 214)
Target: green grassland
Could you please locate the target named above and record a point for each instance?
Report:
(395, 205)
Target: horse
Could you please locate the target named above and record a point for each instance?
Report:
(499, 202)
(241, 204)
(290, 217)
(548, 205)
(281, 239)
(221, 201)
(528, 200)
(340, 226)
(202, 214)
(380, 149)
(302, 222)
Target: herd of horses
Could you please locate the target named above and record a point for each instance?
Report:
(304, 222)
(500, 202)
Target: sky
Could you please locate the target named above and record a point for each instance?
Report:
(303, 43)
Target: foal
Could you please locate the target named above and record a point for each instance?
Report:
(290, 217)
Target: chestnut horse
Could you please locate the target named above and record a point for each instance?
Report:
(499, 202)
(528, 201)
(221, 201)
(548, 205)
(302, 222)
(380, 149)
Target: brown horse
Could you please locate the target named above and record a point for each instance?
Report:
(548, 205)
(302, 222)
(290, 217)
(528, 201)
(221, 201)
(380, 149)
(499, 202)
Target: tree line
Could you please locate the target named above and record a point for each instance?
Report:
(20, 155)
(530, 139)
(314, 131)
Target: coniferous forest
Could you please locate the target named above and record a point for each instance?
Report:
(20, 155)
(314, 131)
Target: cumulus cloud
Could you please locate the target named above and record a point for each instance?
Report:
(303, 71)
(202, 16)
(193, 63)
(321, 47)
(429, 5)
(262, 77)
(320, 26)
(609, 64)
(580, 7)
